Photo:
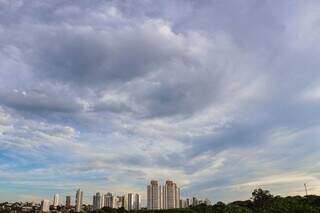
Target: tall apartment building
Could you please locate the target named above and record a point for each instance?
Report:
(178, 197)
(166, 197)
(120, 201)
(109, 200)
(79, 200)
(56, 200)
(171, 195)
(154, 196)
(195, 201)
(45, 204)
(137, 202)
(188, 202)
(97, 201)
(94, 207)
(68, 202)
(183, 204)
(129, 198)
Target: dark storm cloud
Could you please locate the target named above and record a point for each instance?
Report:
(89, 56)
(97, 58)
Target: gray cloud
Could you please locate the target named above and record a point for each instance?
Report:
(212, 94)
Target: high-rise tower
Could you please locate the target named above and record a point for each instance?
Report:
(129, 201)
(68, 202)
(171, 195)
(154, 195)
(79, 199)
(56, 200)
(97, 201)
(45, 206)
(109, 200)
(137, 202)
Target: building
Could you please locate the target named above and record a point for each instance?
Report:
(188, 202)
(56, 200)
(183, 204)
(137, 202)
(68, 202)
(94, 207)
(97, 201)
(178, 197)
(132, 202)
(79, 199)
(171, 195)
(195, 201)
(154, 196)
(125, 202)
(129, 199)
(45, 204)
(120, 202)
(109, 200)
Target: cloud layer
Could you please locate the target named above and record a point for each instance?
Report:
(222, 97)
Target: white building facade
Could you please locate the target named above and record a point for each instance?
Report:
(79, 200)
(171, 195)
(97, 201)
(45, 204)
(109, 200)
(56, 200)
(166, 197)
(154, 196)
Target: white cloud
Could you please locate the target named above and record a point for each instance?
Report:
(93, 95)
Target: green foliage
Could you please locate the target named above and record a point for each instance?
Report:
(313, 200)
(218, 207)
(233, 208)
(261, 198)
(107, 210)
(291, 205)
(246, 204)
(167, 211)
(202, 208)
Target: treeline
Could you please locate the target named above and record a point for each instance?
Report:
(261, 202)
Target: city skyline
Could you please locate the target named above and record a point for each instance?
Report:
(168, 192)
(222, 97)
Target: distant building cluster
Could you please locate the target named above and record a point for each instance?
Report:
(128, 201)
(78, 207)
(165, 196)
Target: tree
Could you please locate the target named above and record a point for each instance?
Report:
(247, 203)
(202, 208)
(261, 198)
(312, 200)
(233, 208)
(290, 205)
(109, 210)
(218, 207)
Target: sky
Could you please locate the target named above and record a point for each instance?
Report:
(220, 96)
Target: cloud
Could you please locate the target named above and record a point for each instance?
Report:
(29, 134)
(215, 96)
(88, 59)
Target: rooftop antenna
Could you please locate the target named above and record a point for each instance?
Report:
(305, 187)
